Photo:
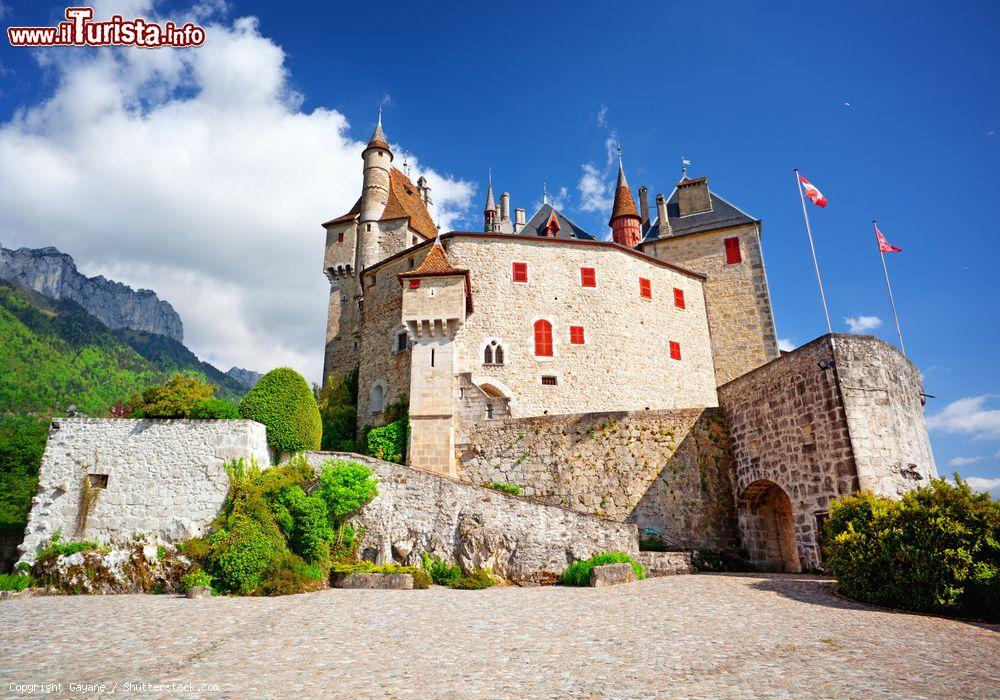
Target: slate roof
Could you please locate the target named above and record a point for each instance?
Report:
(722, 215)
(404, 203)
(535, 226)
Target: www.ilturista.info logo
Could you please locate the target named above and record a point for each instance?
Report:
(79, 30)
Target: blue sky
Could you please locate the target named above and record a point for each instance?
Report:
(890, 108)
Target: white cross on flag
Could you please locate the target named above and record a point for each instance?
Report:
(812, 192)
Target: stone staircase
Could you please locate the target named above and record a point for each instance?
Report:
(666, 563)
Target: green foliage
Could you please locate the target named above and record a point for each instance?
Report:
(421, 579)
(290, 574)
(475, 581)
(578, 573)
(57, 548)
(283, 402)
(195, 579)
(22, 442)
(346, 487)
(512, 489)
(215, 408)
(176, 398)
(936, 550)
(441, 572)
(243, 550)
(339, 413)
(311, 529)
(14, 582)
(390, 441)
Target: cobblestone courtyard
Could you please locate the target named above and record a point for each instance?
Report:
(722, 635)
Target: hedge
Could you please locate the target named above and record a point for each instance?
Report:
(936, 550)
(284, 403)
(390, 441)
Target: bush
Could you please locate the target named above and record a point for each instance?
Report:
(14, 582)
(389, 442)
(283, 402)
(441, 572)
(57, 548)
(289, 575)
(339, 414)
(215, 408)
(174, 399)
(936, 550)
(195, 579)
(578, 573)
(345, 487)
(512, 489)
(243, 551)
(476, 581)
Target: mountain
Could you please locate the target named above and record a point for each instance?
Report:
(247, 377)
(55, 354)
(54, 275)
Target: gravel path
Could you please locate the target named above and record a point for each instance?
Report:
(695, 636)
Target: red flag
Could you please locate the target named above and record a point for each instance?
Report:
(812, 192)
(884, 245)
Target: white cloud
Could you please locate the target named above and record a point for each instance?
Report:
(602, 116)
(963, 461)
(195, 173)
(991, 486)
(860, 324)
(968, 416)
(786, 344)
(595, 192)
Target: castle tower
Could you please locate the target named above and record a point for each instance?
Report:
(377, 158)
(626, 224)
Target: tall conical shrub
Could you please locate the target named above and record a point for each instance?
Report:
(284, 403)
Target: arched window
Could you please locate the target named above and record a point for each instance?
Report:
(543, 338)
(376, 398)
(498, 355)
(488, 355)
(493, 353)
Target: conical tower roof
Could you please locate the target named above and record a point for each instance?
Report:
(624, 204)
(491, 204)
(378, 139)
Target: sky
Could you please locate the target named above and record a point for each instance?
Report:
(204, 173)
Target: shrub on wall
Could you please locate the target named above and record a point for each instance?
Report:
(936, 550)
(578, 573)
(174, 399)
(390, 441)
(215, 408)
(284, 403)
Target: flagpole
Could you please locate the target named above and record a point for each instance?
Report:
(892, 303)
(812, 248)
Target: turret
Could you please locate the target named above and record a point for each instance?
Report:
(626, 224)
(491, 215)
(377, 158)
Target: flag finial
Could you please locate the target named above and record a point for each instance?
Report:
(545, 194)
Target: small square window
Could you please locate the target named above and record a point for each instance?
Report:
(414, 284)
(340, 237)
(588, 277)
(549, 380)
(98, 481)
(402, 342)
(675, 350)
(733, 253)
(679, 298)
(520, 272)
(576, 336)
(645, 288)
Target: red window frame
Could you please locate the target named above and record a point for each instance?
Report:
(733, 253)
(519, 272)
(645, 288)
(588, 277)
(543, 338)
(679, 298)
(414, 284)
(340, 237)
(675, 350)
(577, 335)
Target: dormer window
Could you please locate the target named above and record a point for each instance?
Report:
(551, 229)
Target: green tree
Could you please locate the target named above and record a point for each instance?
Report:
(283, 402)
(177, 398)
(339, 413)
(22, 442)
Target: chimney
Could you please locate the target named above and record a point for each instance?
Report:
(505, 206)
(693, 196)
(661, 212)
(518, 219)
(644, 208)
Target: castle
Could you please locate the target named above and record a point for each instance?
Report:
(533, 324)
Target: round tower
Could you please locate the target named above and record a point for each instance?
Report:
(626, 224)
(377, 158)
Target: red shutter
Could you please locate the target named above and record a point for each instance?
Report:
(543, 338)
(675, 350)
(733, 253)
(414, 284)
(576, 335)
(520, 272)
(679, 298)
(340, 237)
(588, 277)
(645, 288)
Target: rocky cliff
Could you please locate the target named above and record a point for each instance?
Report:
(54, 275)
(246, 377)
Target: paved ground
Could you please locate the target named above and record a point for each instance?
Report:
(701, 636)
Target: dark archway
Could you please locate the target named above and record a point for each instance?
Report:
(769, 527)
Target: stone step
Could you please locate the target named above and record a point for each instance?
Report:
(666, 563)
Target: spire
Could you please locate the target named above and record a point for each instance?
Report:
(491, 204)
(378, 139)
(491, 214)
(626, 224)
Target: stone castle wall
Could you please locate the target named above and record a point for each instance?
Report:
(625, 363)
(664, 470)
(521, 540)
(739, 304)
(162, 477)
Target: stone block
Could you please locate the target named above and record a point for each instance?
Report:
(666, 563)
(198, 592)
(399, 582)
(611, 575)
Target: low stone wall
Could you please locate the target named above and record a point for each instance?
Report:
(164, 478)
(667, 470)
(522, 540)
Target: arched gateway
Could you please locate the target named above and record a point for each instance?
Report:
(768, 527)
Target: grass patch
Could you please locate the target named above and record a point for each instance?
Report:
(512, 489)
(15, 582)
(578, 573)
